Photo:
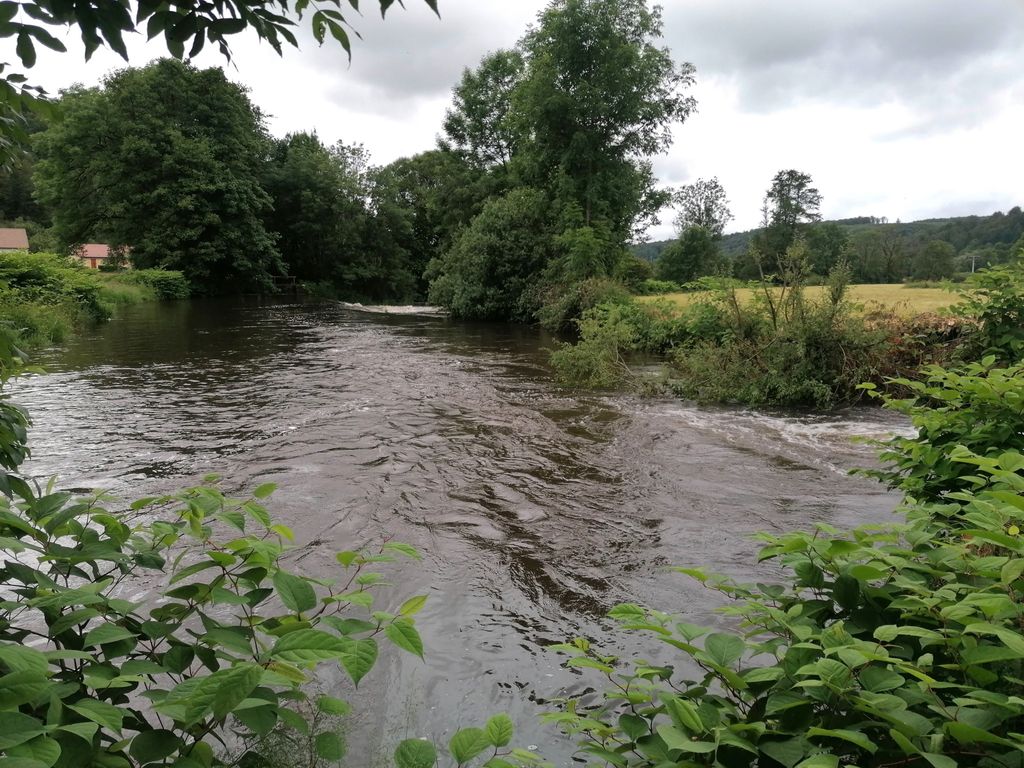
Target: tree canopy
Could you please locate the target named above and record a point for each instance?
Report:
(164, 160)
(703, 204)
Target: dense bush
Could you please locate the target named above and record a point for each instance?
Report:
(977, 408)
(43, 296)
(891, 645)
(654, 287)
(165, 283)
(993, 300)
(563, 305)
(492, 270)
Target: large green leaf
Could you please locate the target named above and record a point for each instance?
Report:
(17, 728)
(415, 753)
(295, 592)
(402, 633)
(499, 730)
(467, 744)
(106, 715)
(359, 657)
(234, 686)
(724, 649)
(309, 646)
(329, 746)
(153, 746)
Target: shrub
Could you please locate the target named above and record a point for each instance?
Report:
(566, 303)
(43, 296)
(891, 645)
(977, 408)
(166, 284)
(633, 271)
(993, 299)
(654, 287)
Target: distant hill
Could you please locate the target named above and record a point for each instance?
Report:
(966, 234)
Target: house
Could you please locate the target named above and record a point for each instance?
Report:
(13, 239)
(93, 255)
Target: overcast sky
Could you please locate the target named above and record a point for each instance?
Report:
(901, 108)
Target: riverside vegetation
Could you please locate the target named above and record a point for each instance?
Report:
(772, 343)
(45, 296)
(895, 644)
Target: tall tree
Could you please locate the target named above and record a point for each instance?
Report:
(695, 253)
(423, 203)
(165, 160)
(703, 204)
(599, 98)
(319, 205)
(479, 123)
(828, 244)
(491, 270)
(789, 205)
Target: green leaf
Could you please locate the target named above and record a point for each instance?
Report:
(788, 752)
(499, 730)
(359, 657)
(415, 753)
(724, 649)
(42, 749)
(819, 761)
(854, 737)
(413, 605)
(467, 744)
(329, 746)
(264, 490)
(153, 746)
(107, 715)
(234, 686)
(402, 633)
(305, 646)
(295, 592)
(332, 706)
(17, 728)
(18, 658)
(403, 549)
(675, 739)
(106, 633)
(26, 51)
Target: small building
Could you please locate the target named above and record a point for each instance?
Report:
(13, 239)
(93, 255)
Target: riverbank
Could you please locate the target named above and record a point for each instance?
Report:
(774, 346)
(45, 297)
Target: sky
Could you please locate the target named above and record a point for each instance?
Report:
(906, 109)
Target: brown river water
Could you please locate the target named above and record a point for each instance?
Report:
(537, 508)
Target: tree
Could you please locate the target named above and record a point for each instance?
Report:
(828, 244)
(423, 203)
(789, 205)
(491, 271)
(478, 125)
(165, 160)
(695, 253)
(934, 261)
(319, 205)
(703, 204)
(599, 98)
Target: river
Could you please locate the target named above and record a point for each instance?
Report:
(537, 507)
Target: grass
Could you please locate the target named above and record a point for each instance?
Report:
(904, 299)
